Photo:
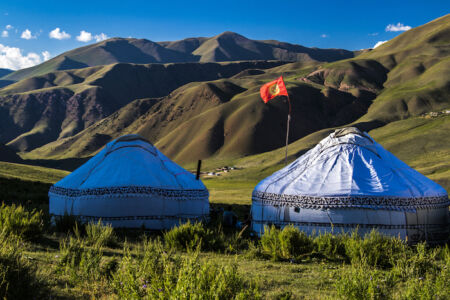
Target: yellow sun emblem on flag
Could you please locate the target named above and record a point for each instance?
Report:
(274, 89)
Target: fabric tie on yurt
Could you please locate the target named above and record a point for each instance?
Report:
(349, 181)
(130, 183)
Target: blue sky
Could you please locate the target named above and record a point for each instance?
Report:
(325, 24)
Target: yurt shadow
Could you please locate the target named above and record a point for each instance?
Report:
(349, 182)
(131, 184)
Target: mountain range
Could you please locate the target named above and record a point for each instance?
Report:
(228, 46)
(399, 92)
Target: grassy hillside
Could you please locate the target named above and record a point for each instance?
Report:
(227, 46)
(31, 173)
(42, 109)
(223, 118)
(409, 73)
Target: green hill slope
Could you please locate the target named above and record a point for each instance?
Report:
(219, 118)
(41, 109)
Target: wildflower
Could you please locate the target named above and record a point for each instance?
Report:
(160, 290)
(144, 286)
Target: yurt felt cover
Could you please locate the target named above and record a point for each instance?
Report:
(146, 183)
(350, 169)
(349, 182)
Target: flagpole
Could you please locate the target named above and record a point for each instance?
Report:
(287, 129)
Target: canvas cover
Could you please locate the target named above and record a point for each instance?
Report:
(350, 181)
(130, 183)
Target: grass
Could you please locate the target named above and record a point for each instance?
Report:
(84, 264)
(31, 173)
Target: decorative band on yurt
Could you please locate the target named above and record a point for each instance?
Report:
(373, 202)
(129, 190)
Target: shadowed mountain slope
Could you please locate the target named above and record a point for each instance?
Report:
(227, 46)
(8, 154)
(224, 118)
(41, 109)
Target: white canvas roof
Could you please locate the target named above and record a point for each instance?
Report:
(349, 169)
(130, 180)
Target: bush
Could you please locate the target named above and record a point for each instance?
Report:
(288, 243)
(100, 235)
(18, 221)
(331, 246)
(78, 261)
(363, 282)
(375, 248)
(166, 275)
(18, 278)
(189, 236)
(423, 275)
(416, 264)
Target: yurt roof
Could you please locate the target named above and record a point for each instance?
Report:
(348, 168)
(129, 161)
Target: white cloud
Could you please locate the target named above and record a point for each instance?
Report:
(13, 58)
(373, 34)
(379, 43)
(8, 27)
(26, 34)
(100, 37)
(46, 55)
(5, 33)
(324, 36)
(84, 36)
(58, 34)
(397, 27)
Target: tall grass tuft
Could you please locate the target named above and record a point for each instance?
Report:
(161, 274)
(100, 235)
(331, 246)
(78, 261)
(189, 236)
(18, 221)
(362, 282)
(18, 278)
(286, 243)
(376, 249)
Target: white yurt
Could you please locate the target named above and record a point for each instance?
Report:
(347, 182)
(130, 183)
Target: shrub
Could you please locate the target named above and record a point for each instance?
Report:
(363, 282)
(424, 278)
(189, 236)
(166, 275)
(18, 279)
(416, 264)
(287, 243)
(375, 248)
(186, 236)
(18, 221)
(331, 246)
(78, 261)
(100, 235)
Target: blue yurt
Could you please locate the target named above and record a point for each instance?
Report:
(347, 182)
(130, 183)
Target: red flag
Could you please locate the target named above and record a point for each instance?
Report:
(273, 89)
